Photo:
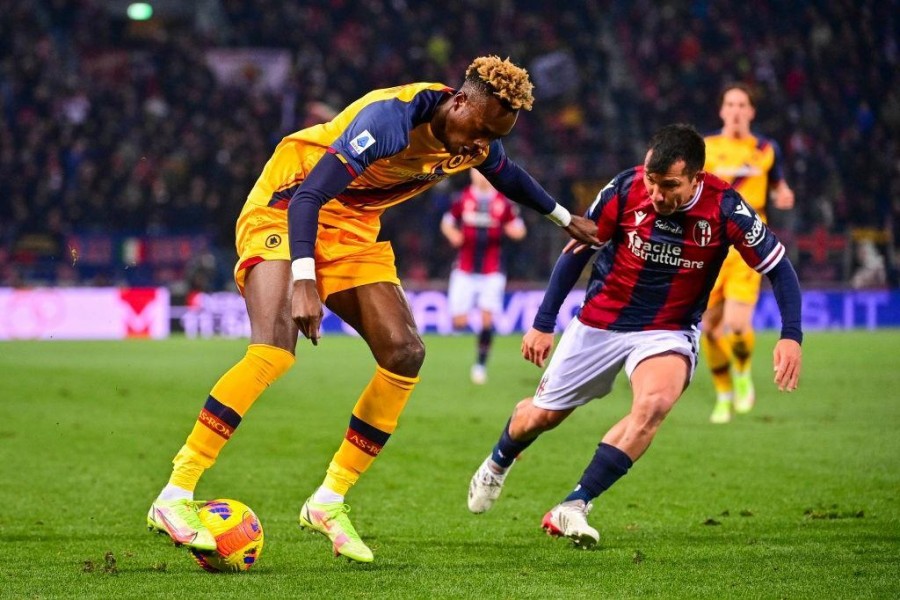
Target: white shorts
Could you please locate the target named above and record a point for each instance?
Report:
(587, 360)
(468, 290)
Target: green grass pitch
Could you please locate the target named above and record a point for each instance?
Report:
(799, 499)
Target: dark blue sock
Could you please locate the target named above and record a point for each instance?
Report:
(507, 449)
(484, 344)
(607, 466)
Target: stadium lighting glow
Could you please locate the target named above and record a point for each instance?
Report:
(139, 11)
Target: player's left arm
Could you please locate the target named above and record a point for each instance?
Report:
(762, 251)
(515, 183)
(782, 194)
(326, 180)
(538, 341)
(380, 129)
(787, 356)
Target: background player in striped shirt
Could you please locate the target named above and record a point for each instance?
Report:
(475, 225)
(308, 234)
(666, 227)
(752, 164)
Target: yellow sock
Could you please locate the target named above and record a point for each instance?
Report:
(718, 357)
(373, 421)
(228, 402)
(742, 345)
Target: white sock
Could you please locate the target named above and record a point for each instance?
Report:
(173, 492)
(325, 496)
(726, 397)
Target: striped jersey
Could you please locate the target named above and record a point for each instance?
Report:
(481, 220)
(656, 272)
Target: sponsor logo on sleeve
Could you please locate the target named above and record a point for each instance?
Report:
(756, 234)
(362, 142)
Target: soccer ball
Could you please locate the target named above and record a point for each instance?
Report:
(238, 533)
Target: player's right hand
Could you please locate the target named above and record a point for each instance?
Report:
(787, 358)
(306, 309)
(536, 346)
(583, 230)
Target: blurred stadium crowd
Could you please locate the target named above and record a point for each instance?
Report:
(127, 148)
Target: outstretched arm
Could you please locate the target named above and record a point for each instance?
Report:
(516, 184)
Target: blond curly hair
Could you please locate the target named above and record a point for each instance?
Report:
(503, 79)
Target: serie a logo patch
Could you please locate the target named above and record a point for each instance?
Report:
(360, 143)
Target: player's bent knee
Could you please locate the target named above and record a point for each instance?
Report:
(525, 404)
(738, 328)
(541, 420)
(652, 408)
(404, 357)
(272, 361)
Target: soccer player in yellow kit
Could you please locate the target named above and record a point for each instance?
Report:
(307, 235)
(752, 164)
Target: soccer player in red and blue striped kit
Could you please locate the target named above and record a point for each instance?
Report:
(476, 224)
(666, 227)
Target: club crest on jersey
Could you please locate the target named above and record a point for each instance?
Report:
(756, 233)
(702, 232)
(362, 142)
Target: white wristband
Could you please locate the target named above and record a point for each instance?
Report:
(560, 215)
(304, 268)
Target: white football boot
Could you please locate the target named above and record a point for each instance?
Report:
(569, 519)
(485, 487)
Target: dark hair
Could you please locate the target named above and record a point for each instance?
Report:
(675, 142)
(737, 85)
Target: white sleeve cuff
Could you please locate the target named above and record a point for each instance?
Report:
(304, 268)
(560, 215)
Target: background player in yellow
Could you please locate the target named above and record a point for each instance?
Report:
(752, 164)
(307, 235)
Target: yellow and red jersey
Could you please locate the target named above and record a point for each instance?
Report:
(384, 139)
(752, 165)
